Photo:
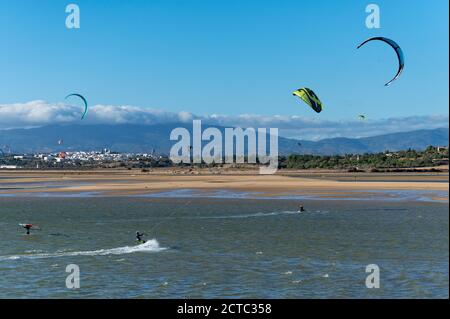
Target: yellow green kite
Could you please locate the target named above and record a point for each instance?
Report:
(310, 98)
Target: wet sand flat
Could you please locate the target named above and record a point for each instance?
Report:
(135, 182)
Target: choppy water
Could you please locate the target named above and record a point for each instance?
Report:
(222, 247)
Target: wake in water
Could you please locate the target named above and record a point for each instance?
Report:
(149, 246)
(245, 215)
(255, 215)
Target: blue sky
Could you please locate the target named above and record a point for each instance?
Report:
(228, 57)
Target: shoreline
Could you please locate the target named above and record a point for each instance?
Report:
(287, 183)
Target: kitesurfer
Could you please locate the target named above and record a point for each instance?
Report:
(27, 227)
(139, 237)
(302, 209)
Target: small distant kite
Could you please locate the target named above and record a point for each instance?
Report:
(362, 117)
(6, 149)
(84, 101)
(60, 142)
(310, 98)
(398, 51)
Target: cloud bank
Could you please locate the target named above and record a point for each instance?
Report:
(40, 113)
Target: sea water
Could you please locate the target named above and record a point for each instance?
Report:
(221, 247)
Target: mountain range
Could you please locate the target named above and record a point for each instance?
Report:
(148, 138)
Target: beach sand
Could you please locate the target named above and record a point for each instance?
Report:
(285, 182)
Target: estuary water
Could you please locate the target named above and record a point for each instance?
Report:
(220, 247)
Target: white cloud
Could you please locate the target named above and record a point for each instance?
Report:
(39, 113)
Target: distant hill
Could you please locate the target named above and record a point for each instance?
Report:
(417, 140)
(145, 138)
